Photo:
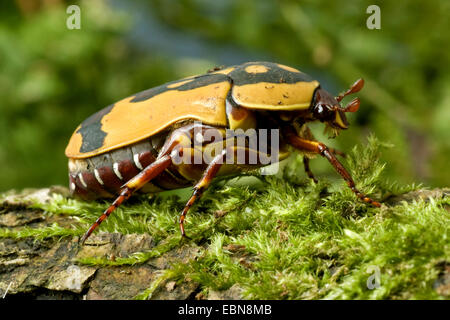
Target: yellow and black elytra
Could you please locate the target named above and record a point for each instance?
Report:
(129, 146)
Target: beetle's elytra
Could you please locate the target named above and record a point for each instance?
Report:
(131, 145)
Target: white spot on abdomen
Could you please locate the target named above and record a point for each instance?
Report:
(116, 170)
(97, 176)
(82, 180)
(137, 162)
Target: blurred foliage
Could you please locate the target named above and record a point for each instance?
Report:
(52, 78)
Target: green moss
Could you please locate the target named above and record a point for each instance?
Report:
(51, 231)
(163, 276)
(290, 239)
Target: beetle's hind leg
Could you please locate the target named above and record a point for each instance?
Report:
(137, 182)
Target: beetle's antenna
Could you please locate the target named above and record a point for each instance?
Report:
(358, 85)
(352, 106)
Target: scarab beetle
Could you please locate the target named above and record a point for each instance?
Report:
(131, 145)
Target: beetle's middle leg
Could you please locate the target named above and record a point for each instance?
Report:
(202, 184)
(323, 150)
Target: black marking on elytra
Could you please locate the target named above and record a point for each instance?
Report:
(91, 131)
(196, 82)
(238, 76)
(274, 74)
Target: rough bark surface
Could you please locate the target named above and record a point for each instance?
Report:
(47, 269)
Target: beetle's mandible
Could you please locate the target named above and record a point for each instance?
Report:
(130, 145)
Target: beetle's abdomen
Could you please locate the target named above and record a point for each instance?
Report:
(102, 176)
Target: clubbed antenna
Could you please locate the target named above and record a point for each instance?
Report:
(352, 106)
(356, 87)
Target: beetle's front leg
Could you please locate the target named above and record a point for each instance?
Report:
(320, 148)
(308, 169)
(201, 186)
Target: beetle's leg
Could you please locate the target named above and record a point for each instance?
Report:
(306, 133)
(201, 186)
(323, 150)
(137, 182)
(307, 169)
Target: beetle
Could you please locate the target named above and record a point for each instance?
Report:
(130, 146)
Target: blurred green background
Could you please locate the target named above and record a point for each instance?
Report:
(52, 78)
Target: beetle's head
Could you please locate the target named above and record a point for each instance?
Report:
(327, 109)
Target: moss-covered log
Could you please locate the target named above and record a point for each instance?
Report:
(280, 238)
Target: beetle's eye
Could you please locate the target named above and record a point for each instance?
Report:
(320, 109)
(322, 112)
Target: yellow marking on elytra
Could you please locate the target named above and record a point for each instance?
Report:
(287, 68)
(151, 116)
(73, 148)
(275, 96)
(256, 69)
(224, 71)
